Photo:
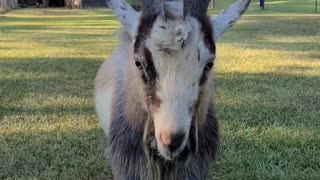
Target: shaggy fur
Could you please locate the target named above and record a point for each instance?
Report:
(125, 149)
(159, 80)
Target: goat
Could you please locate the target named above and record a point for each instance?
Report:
(153, 95)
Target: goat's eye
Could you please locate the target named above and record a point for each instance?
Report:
(138, 64)
(209, 65)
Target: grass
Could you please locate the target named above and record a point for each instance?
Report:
(267, 93)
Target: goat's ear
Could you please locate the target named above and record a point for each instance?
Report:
(229, 17)
(128, 17)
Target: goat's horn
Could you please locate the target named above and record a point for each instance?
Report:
(195, 8)
(151, 7)
(126, 14)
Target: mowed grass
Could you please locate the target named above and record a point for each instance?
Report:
(267, 93)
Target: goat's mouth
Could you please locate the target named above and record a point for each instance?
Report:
(154, 152)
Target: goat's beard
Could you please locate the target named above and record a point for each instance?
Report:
(157, 164)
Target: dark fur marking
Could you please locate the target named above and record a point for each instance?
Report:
(144, 30)
(162, 27)
(149, 66)
(242, 12)
(166, 50)
(245, 7)
(198, 51)
(179, 32)
(203, 77)
(193, 137)
(161, 46)
(185, 41)
(183, 44)
(124, 4)
(151, 77)
(194, 8)
(124, 7)
(206, 28)
(231, 23)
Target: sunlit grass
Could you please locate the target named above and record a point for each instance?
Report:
(267, 93)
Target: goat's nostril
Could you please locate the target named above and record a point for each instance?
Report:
(172, 141)
(165, 138)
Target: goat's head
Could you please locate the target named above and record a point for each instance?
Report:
(174, 51)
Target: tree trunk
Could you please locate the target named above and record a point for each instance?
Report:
(15, 3)
(211, 5)
(6, 5)
(3, 5)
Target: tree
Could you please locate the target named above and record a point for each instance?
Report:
(212, 4)
(3, 5)
(6, 5)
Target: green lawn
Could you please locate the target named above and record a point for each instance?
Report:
(267, 93)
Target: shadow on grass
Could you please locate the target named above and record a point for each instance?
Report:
(52, 28)
(273, 100)
(74, 77)
(278, 33)
(15, 111)
(268, 99)
(248, 105)
(26, 78)
(258, 99)
(54, 155)
(83, 67)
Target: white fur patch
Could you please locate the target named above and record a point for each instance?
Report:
(179, 70)
(103, 107)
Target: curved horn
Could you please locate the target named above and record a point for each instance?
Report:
(195, 8)
(229, 17)
(128, 17)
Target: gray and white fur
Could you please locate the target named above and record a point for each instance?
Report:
(154, 94)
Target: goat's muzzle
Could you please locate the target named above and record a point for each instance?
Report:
(171, 142)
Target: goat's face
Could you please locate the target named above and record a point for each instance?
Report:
(174, 52)
(175, 56)
(182, 60)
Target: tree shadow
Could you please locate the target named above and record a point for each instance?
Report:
(54, 154)
(267, 99)
(277, 99)
(49, 77)
(261, 100)
(255, 32)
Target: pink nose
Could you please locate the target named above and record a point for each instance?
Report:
(171, 141)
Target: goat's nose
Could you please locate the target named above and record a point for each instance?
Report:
(172, 141)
